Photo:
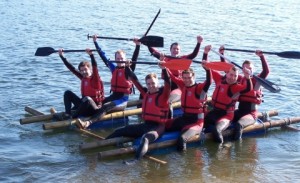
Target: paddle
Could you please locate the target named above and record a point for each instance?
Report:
(284, 54)
(219, 66)
(46, 51)
(173, 64)
(265, 83)
(216, 65)
(152, 22)
(152, 41)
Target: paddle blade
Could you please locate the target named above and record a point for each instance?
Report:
(219, 66)
(178, 64)
(268, 84)
(284, 54)
(44, 51)
(153, 41)
(289, 54)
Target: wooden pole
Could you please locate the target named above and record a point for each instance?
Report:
(89, 133)
(134, 103)
(33, 111)
(67, 123)
(106, 142)
(167, 143)
(102, 138)
(53, 111)
(39, 116)
(114, 141)
(118, 114)
(155, 159)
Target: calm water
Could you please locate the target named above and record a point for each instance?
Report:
(29, 154)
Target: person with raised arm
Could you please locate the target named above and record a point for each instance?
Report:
(175, 51)
(247, 111)
(193, 103)
(92, 90)
(121, 85)
(155, 109)
(224, 98)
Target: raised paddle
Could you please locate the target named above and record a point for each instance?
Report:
(152, 41)
(284, 54)
(174, 64)
(152, 22)
(46, 51)
(265, 83)
(219, 66)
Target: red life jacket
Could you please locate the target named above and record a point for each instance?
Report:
(253, 96)
(151, 109)
(119, 83)
(222, 98)
(88, 90)
(191, 102)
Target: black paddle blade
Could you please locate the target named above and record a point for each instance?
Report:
(268, 85)
(44, 51)
(289, 54)
(152, 41)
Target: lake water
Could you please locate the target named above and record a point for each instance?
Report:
(30, 154)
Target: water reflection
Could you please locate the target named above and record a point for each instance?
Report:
(233, 158)
(234, 161)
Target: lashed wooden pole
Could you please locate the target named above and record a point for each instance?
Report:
(117, 140)
(40, 117)
(120, 114)
(167, 143)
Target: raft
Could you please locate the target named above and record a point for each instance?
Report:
(118, 140)
(112, 120)
(169, 139)
(41, 117)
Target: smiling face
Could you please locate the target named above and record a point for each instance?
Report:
(232, 75)
(120, 56)
(85, 69)
(188, 77)
(175, 49)
(152, 83)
